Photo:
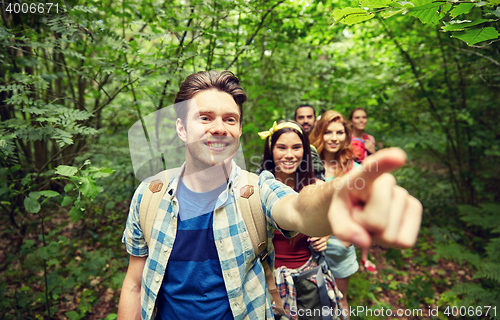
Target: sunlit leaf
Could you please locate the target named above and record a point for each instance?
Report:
(67, 171)
(88, 187)
(376, 3)
(461, 9)
(389, 13)
(461, 25)
(428, 13)
(351, 16)
(473, 36)
(49, 193)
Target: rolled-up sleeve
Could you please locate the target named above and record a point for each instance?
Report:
(271, 191)
(133, 237)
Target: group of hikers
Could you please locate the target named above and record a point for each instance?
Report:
(192, 251)
(304, 152)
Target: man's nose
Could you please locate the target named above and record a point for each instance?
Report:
(218, 127)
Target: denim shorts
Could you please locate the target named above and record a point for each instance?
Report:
(342, 261)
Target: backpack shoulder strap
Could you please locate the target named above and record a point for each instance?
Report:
(150, 202)
(255, 221)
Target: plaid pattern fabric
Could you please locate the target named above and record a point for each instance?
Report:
(243, 274)
(286, 288)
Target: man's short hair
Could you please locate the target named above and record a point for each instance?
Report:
(303, 106)
(224, 81)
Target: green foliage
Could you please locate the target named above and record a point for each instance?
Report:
(416, 291)
(72, 84)
(485, 261)
(429, 12)
(473, 36)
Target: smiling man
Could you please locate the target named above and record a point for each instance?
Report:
(200, 263)
(306, 117)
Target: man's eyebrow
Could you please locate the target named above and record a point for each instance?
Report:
(201, 111)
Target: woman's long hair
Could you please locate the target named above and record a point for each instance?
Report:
(345, 155)
(304, 175)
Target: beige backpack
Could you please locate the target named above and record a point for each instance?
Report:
(251, 210)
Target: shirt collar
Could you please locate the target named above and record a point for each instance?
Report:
(234, 178)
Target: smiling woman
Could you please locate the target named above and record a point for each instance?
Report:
(287, 154)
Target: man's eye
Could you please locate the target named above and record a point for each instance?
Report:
(231, 120)
(204, 118)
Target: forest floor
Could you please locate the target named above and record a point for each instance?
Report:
(393, 286)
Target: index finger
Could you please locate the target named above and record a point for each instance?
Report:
(383, 161)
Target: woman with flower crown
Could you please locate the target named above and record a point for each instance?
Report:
(287, 154)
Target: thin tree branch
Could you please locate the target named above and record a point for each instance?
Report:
(255, 33)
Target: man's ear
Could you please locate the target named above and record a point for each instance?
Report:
(181, 129)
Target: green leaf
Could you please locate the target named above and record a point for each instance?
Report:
(88, 187)
(35, 195)
(111, 316)
(67, 171)
(69, 187)
(31, 205)
(53, 247)
(15, 168)
(376, 3)
(473, 36)
(49, 193)
(4, 191)
(72, 315)
(428, 13)
(459, 25)
(351, 15)
(110, 205)
(43, 253)
(444, 10)
(496, 12)
(28, 243)
(75, 213)
(462, 8)
(66, 201)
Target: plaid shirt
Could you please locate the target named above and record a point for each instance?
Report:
(243, 274)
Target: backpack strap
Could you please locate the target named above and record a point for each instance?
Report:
(255, 221)
(251, 210)
(150, 202)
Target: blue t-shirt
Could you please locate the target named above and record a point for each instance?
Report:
(193, 286)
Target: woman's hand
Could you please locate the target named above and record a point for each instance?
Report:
(319, 243)
(369, 146)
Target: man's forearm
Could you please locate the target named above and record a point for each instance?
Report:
(129, 307)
